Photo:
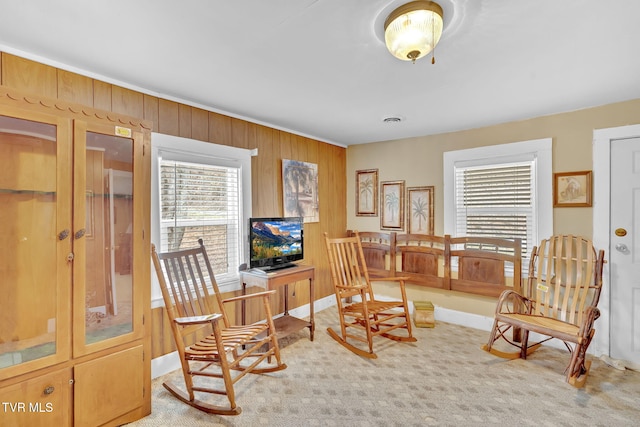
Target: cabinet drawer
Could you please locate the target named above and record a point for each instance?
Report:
(108, 387)
(44, 401)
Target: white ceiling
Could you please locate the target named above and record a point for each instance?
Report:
(319, 68)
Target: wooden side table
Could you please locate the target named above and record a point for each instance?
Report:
(286, 324)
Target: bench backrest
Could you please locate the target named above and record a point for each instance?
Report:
(565, 277)
(486, 265)
(477, 265)
(379, 252)
(424, 259)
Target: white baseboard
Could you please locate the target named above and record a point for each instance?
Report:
(321, 304)
(461, 318)
(164, 364)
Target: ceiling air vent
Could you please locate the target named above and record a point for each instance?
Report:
(392, 119)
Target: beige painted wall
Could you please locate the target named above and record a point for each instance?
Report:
(419, 162)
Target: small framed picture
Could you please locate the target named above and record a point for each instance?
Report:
(392, 205)
(367, 192)
(420, 210)
(572, 189)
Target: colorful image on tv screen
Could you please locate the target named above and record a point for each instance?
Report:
(272, 239)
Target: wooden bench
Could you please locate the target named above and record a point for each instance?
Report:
(379, 250)
(485, 265)
(560, 301)
(423, 259)
(475, 265)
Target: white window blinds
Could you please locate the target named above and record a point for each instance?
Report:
(501, 190)
(201, 201)
(497, 201)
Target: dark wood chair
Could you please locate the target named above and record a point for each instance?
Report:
(362, 317)
(214, 353)
(560, 301)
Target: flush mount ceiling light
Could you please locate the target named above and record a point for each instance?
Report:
(413, 30)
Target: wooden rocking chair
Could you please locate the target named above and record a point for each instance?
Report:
(560, 301)
(368, 315)
(219, 347)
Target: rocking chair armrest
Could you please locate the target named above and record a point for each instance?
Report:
(248, 296)
(197, 320)
(590, 316)
(592, 311)
(511, 296)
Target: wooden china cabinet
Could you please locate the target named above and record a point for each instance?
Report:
(74, 185)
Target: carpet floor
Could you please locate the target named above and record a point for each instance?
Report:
(443, 379)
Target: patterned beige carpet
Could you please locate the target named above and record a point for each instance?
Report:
(443, 379)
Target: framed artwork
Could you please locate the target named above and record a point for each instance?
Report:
(300, 190)
(392, 205)
(367, 192)
(572, 189)
(420, 210)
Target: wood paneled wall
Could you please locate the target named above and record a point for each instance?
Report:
(182, 120)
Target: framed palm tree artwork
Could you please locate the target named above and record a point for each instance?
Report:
(367, 192)
(420, 210)
(300, 190)
(392, 205)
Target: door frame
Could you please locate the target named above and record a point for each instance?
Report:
(602, 221)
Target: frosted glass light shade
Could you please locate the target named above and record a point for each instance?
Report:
(413, 30)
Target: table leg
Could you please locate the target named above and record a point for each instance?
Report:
(286, 300)
(243, 304)
(312, 295)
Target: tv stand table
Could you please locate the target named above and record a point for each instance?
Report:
(272, 279)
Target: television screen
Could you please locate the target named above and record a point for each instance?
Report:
(275, 242)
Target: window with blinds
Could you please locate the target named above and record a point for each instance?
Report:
(201, 201)
(497, 201)
(501, 190)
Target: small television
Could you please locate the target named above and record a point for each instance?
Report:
(275, 243)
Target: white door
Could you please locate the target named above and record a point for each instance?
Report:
(624, 258)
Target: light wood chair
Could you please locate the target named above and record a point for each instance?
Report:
(560, 301)
(362, 317)
(214, 353)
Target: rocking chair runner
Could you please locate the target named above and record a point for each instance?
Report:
(560, 301)
(368, 315)
(190, 307)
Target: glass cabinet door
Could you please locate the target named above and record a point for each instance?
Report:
(104, 223)
(35, 222)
